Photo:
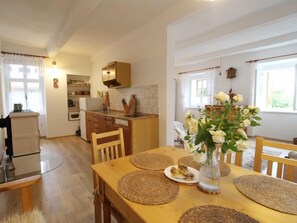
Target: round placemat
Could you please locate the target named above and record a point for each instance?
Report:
(273, 193)
(147, 187)
(190, 161)
(215, 214)
(151, 161)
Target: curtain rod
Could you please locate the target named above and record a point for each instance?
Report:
(22, 54)
(193, 71)
(267, 58)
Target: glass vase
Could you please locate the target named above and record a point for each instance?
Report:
(209, 176)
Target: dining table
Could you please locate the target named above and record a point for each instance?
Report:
(188, 195)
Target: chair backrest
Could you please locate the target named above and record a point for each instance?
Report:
(106, 146)
(108, 150)
(282, 162)
(227, 157)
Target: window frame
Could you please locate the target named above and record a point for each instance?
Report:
(199, 76)
(25, 80)
(257, 74)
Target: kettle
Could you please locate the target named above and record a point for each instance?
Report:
(17, 107)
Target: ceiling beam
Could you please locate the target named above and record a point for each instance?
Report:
(76, 15)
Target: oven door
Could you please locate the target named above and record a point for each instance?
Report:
(72, 116)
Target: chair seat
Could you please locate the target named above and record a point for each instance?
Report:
(34, 216)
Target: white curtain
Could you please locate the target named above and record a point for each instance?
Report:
(183, 90)
(23, 69)
(210, 75)
(253, 75)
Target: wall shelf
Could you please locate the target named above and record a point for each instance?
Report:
(78, 86)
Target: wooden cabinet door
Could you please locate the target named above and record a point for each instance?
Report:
(127, 130)
(89, 125)
(96, 123)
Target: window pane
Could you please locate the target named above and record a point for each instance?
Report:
(16, 71)
(199, 92)
(17, 86)
(281, 88)
(34, 101)
(33, 87)
(33, 72)
(17, 94)
(275, 85)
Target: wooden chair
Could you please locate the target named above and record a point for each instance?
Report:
(106, 146)
(25, 185)
(227, 158)
(282, 162)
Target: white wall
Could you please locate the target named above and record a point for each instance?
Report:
(274, 125)
(56, 98)
(146, 50)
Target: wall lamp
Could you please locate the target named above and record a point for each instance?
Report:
(54, 63)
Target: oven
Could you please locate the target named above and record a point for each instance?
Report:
(72, 116)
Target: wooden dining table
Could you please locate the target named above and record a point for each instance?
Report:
(189, 195)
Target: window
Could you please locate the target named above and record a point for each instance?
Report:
(276, 85)
(198, 91)
(24, 82)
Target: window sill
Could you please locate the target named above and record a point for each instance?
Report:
(278, 112)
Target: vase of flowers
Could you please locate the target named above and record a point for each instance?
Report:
(222, 126)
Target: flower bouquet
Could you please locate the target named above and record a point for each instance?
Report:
(220, 126)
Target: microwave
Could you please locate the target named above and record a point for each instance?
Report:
(73, 116)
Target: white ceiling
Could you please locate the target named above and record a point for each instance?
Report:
(83, 27)
(234, 26)
(76, 26)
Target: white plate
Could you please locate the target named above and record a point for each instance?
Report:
(170, 176)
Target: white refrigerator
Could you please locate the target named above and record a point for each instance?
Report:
(87, 104)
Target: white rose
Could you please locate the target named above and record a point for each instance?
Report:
(254, 109)
(188, 115)
(242, 133)
(193, 126)
(218, 136)
(238, 98)
(241, 145)
(222, 97)
(245, 111)
(245, 123)
(203, 121)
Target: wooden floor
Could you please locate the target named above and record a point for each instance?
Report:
(65, 193)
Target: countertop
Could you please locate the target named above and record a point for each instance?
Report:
(122, 115)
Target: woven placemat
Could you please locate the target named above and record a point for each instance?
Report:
(190, 161)
(147, 187)
(151, 161)
(215, 214)
(273, 193)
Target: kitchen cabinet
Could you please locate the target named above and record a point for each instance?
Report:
(89, 125)
(140, 133)
(105, 123)
(117, 75)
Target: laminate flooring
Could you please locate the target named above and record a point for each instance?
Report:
(65, 193)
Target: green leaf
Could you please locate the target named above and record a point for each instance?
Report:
(187, 137)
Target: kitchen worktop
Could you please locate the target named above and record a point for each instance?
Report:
(120, 114)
